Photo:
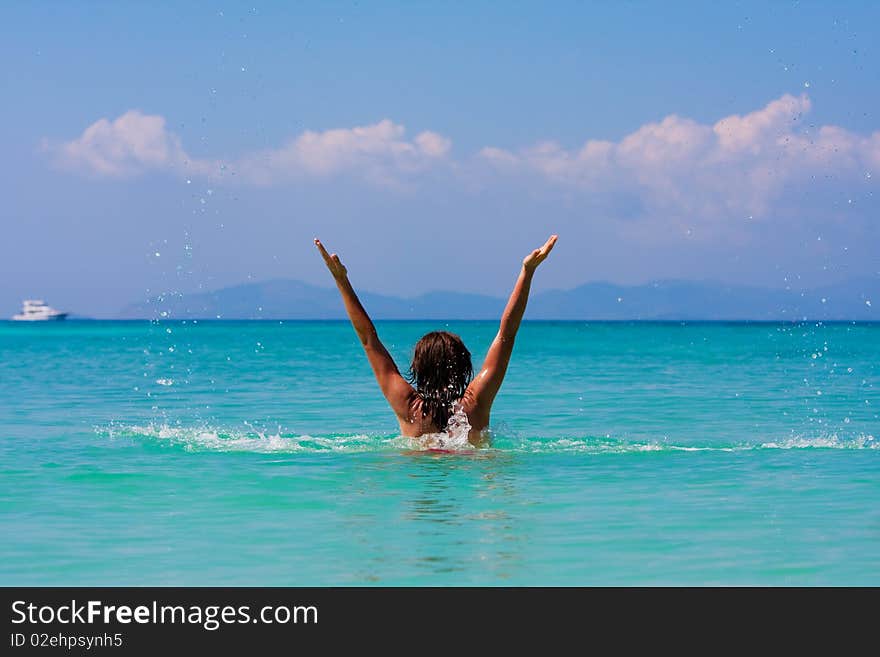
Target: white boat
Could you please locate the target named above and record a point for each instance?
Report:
(36, 310)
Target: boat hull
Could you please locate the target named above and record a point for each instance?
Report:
(48, 318)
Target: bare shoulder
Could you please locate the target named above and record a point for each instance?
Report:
(401, 396)
(477, 412)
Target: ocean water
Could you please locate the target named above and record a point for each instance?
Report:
(262, 453)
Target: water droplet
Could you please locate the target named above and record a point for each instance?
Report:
(806, 85)
(846, 420)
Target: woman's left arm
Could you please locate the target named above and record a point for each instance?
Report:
(395, 388)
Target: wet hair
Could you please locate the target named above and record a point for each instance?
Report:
(440, 372)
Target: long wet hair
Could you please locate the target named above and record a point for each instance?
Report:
(440, 372)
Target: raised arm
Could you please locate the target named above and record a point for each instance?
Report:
(482, 390)
(395, 388)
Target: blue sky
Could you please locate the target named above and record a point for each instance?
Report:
(433, 144)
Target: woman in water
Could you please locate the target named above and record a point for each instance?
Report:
(441, 377)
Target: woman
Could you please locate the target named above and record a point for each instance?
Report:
(441, 381)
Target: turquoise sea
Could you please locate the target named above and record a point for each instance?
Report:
(262, 453)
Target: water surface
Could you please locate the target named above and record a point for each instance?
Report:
(262, 453)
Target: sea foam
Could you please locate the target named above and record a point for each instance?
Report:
(455, 439)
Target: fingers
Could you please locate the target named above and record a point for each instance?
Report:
(549, 244)
(323, 251)
(545, 250)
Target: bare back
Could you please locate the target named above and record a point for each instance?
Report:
(414, 423)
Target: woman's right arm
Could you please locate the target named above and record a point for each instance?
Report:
(482, 390)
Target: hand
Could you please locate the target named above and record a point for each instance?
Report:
(536, 257)
(332, 261)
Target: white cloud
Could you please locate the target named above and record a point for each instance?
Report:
(667, 177)
(685, 173)
(752, 132)
(131, 144)
(136, 143)
(432, 144)
(379, 153)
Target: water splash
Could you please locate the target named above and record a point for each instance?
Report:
(210, 439)
(455, 439)
(824, 441)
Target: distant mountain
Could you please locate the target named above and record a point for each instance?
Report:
(288, 299)
(857, 299)
(694, 300)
